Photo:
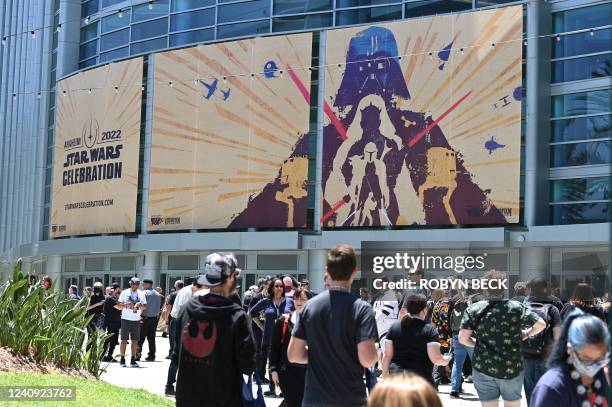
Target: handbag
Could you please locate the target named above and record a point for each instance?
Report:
(247, 392)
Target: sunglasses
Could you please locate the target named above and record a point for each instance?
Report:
(279, 286)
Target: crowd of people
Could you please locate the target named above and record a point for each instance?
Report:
(387, 348)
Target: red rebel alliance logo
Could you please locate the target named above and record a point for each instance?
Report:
(199, 338)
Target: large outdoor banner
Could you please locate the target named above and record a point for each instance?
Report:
(230, 135)
(97, 141)
(423, 121)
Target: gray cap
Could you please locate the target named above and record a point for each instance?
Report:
(218, 267)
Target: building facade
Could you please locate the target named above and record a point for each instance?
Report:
(564, 228)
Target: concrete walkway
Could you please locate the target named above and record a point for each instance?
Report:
(151, 376)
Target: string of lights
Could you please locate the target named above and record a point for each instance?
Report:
(431, 54)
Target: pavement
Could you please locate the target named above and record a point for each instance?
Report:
(151, 376)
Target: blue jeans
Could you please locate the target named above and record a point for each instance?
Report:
(460, 352)
(370, 377)
(534, 369)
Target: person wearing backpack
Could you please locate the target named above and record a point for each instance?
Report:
(459, 303)
(496, 329)
(537, 348)
(290, 377)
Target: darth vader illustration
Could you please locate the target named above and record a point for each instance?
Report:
(363, 166)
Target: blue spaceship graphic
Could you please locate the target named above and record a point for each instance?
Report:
(493, 145)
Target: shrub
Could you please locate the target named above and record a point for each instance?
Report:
(48, 326)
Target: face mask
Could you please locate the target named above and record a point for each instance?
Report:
(587, 369)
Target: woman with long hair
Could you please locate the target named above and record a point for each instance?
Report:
(405, 390)
(576, 375)
(413, 344)
(273, 306)
(583, 299)
(288, 376)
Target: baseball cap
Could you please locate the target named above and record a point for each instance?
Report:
(134, 280)
(115, 286)
(218, 267)
(148, 281)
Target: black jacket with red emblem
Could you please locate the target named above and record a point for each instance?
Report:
(215, 347)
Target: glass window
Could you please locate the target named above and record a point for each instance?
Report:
(192, 37)
(238, 30)
(182, 5)
(303, 22)
(250, 10)
(87, 50)
(183, 262)
(94, 264)
(89, 32)
(123, 263)
(357, 3)
(573, 104)
(158, 8)
(149, 29)
(596, 66)
(580, 189)
(114, 22)
(115, 54)
(583, 261)
(366, 15)
(301, 6)
(146, 46)
(487, 3)
(581, 18)
(88, 8)
(579, 213)
(428, 7)
(108, 3)
(114, 40)
(582, 43)
(87, 63)
(193, 19)
(277, 262)
(589, 153)
(72, 264)
(581, 128)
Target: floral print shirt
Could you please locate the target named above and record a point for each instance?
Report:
(498, 351)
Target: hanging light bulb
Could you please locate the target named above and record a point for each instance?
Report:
(525, 43)
(252, 76)
(339, 67)
(14, 96)
(87, 20)
(33, 34)
(493, 45)
(38, 95)
(431, 55)
(89, 91)
(120, 13)
(64, 93)
(150, 4)
(3, 40)
(225, 79)
(142, 88)
(59, 28)
(170, 84)
(558, 38)
(461, 51)
(280, 73)
(591, 33)
(116, 89)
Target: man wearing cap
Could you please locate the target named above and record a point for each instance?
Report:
(131, 303)
(150, 316)
(112, 322)
(214, 343)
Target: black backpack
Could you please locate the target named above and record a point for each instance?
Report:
(535, 346)
(458, 309)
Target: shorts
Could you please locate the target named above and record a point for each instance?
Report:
(490, 388)
(130, 330)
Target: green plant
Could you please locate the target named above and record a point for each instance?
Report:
(48, 326)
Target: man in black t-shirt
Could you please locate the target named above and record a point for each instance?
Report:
(335, 329)
(112, 323)
(178, 285)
